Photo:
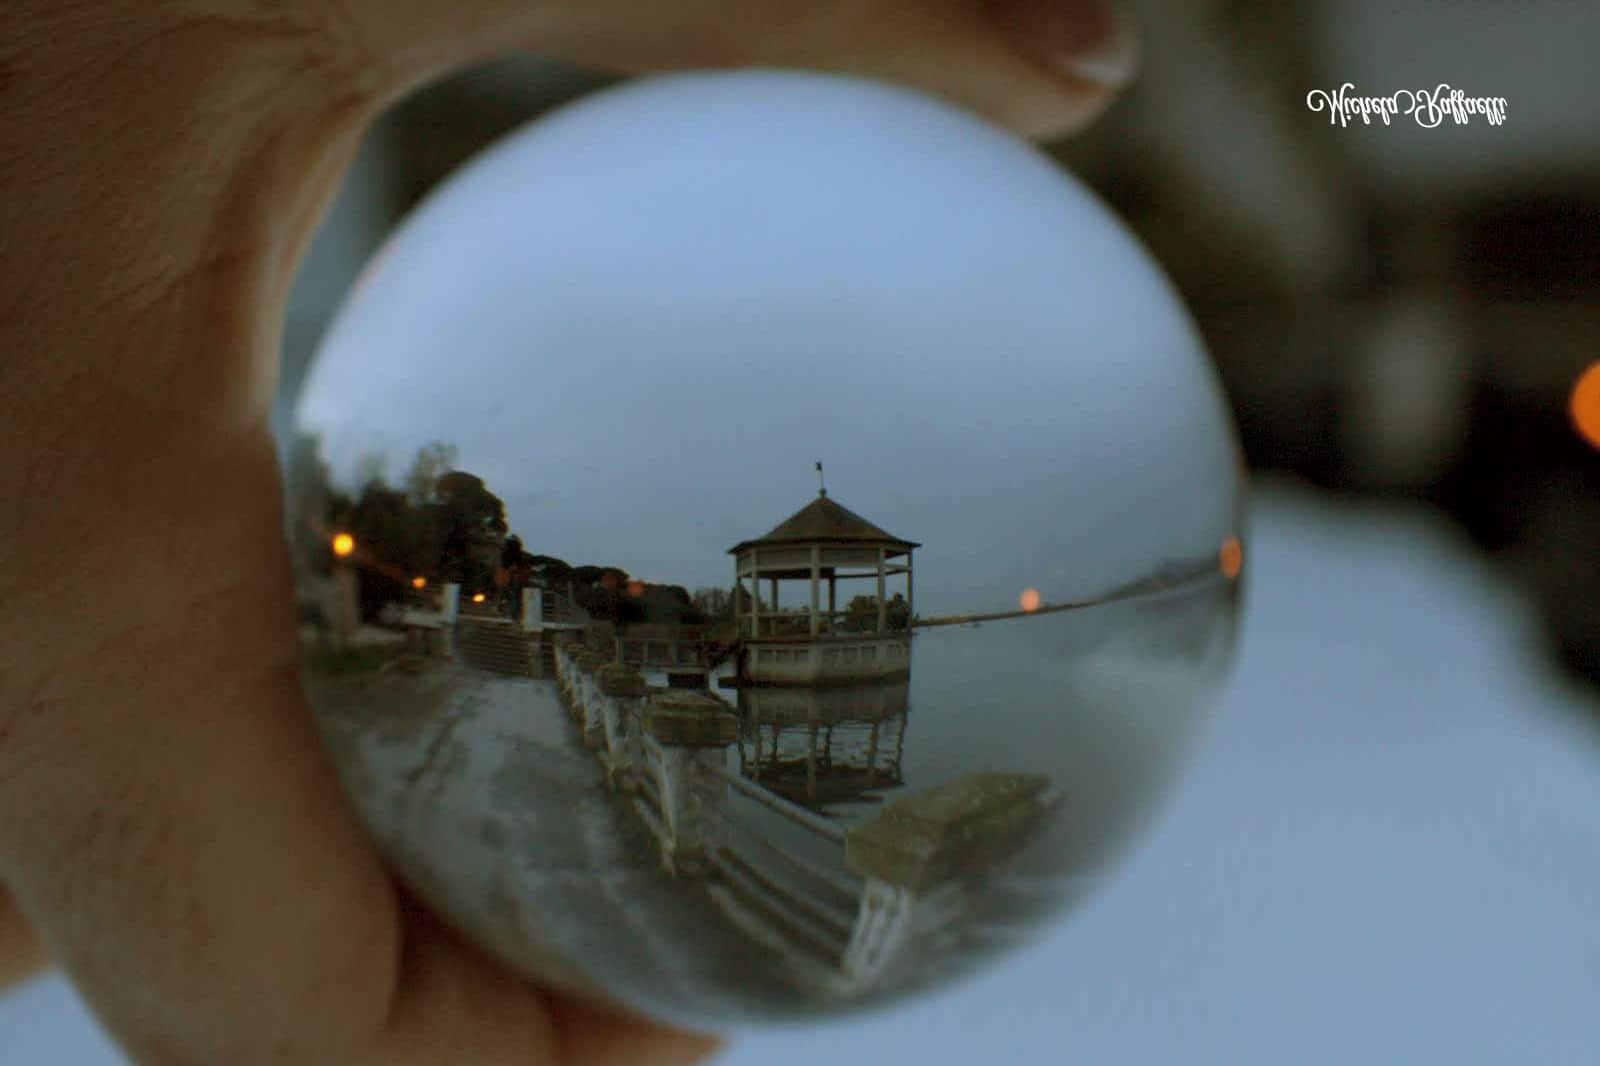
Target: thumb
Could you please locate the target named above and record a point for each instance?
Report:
(1039, 66)
(21, 954)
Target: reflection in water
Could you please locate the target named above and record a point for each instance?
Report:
(717, 803)
(824, 746)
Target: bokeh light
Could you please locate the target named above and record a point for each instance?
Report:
(344, 545)
(1585, 405)
(1230, 558)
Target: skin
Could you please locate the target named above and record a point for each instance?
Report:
(171, 833)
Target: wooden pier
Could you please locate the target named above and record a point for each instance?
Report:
(855, 907)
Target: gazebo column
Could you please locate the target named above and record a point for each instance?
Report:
(883, 611)
(811, 763)
(911, 609)
(755, 592)
(816, 566)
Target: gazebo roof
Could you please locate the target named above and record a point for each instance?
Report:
(824, 520)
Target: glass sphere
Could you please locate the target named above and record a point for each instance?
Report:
(766, 541)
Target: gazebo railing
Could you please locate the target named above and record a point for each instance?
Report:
(829, 623)
(752, 844)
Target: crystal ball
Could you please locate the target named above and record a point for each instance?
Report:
(765, 541)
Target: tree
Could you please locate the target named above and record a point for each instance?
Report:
(610, 577)
(551, 572)
(432, 462)
(511, 554)
(861, 614)
(713, 602)
(473, 520)
(370, 467)
(670, 594)
(739, 601)
(669, 605)
(308, 505)
(898, 612)
(384, 525)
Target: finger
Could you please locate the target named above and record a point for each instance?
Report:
(21, 954)
(455, 1006)
(599, 1037)
(1041, 66)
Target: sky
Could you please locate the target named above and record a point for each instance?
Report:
(644, 343)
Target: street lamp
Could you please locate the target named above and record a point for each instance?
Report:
(346, 594)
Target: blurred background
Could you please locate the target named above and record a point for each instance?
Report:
(1389, 848)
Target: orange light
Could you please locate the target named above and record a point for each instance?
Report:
(419, 582)
(478, 597)
(1585, 406)
(1230, 557)
(344, 545)
(1030, 599)
(636, 588)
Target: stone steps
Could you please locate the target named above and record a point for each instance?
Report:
(496, 647)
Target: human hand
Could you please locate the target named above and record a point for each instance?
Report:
(169, 822)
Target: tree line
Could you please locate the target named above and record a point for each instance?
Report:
(442, 524)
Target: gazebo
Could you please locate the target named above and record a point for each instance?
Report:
(823, 544)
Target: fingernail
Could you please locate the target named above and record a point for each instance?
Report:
(1085, 39)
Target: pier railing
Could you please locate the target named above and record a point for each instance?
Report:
(795, 813)
(845, 907)
(1199, 577)
(668, 750)
(661, 647)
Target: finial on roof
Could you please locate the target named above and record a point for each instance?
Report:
(822, 488)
